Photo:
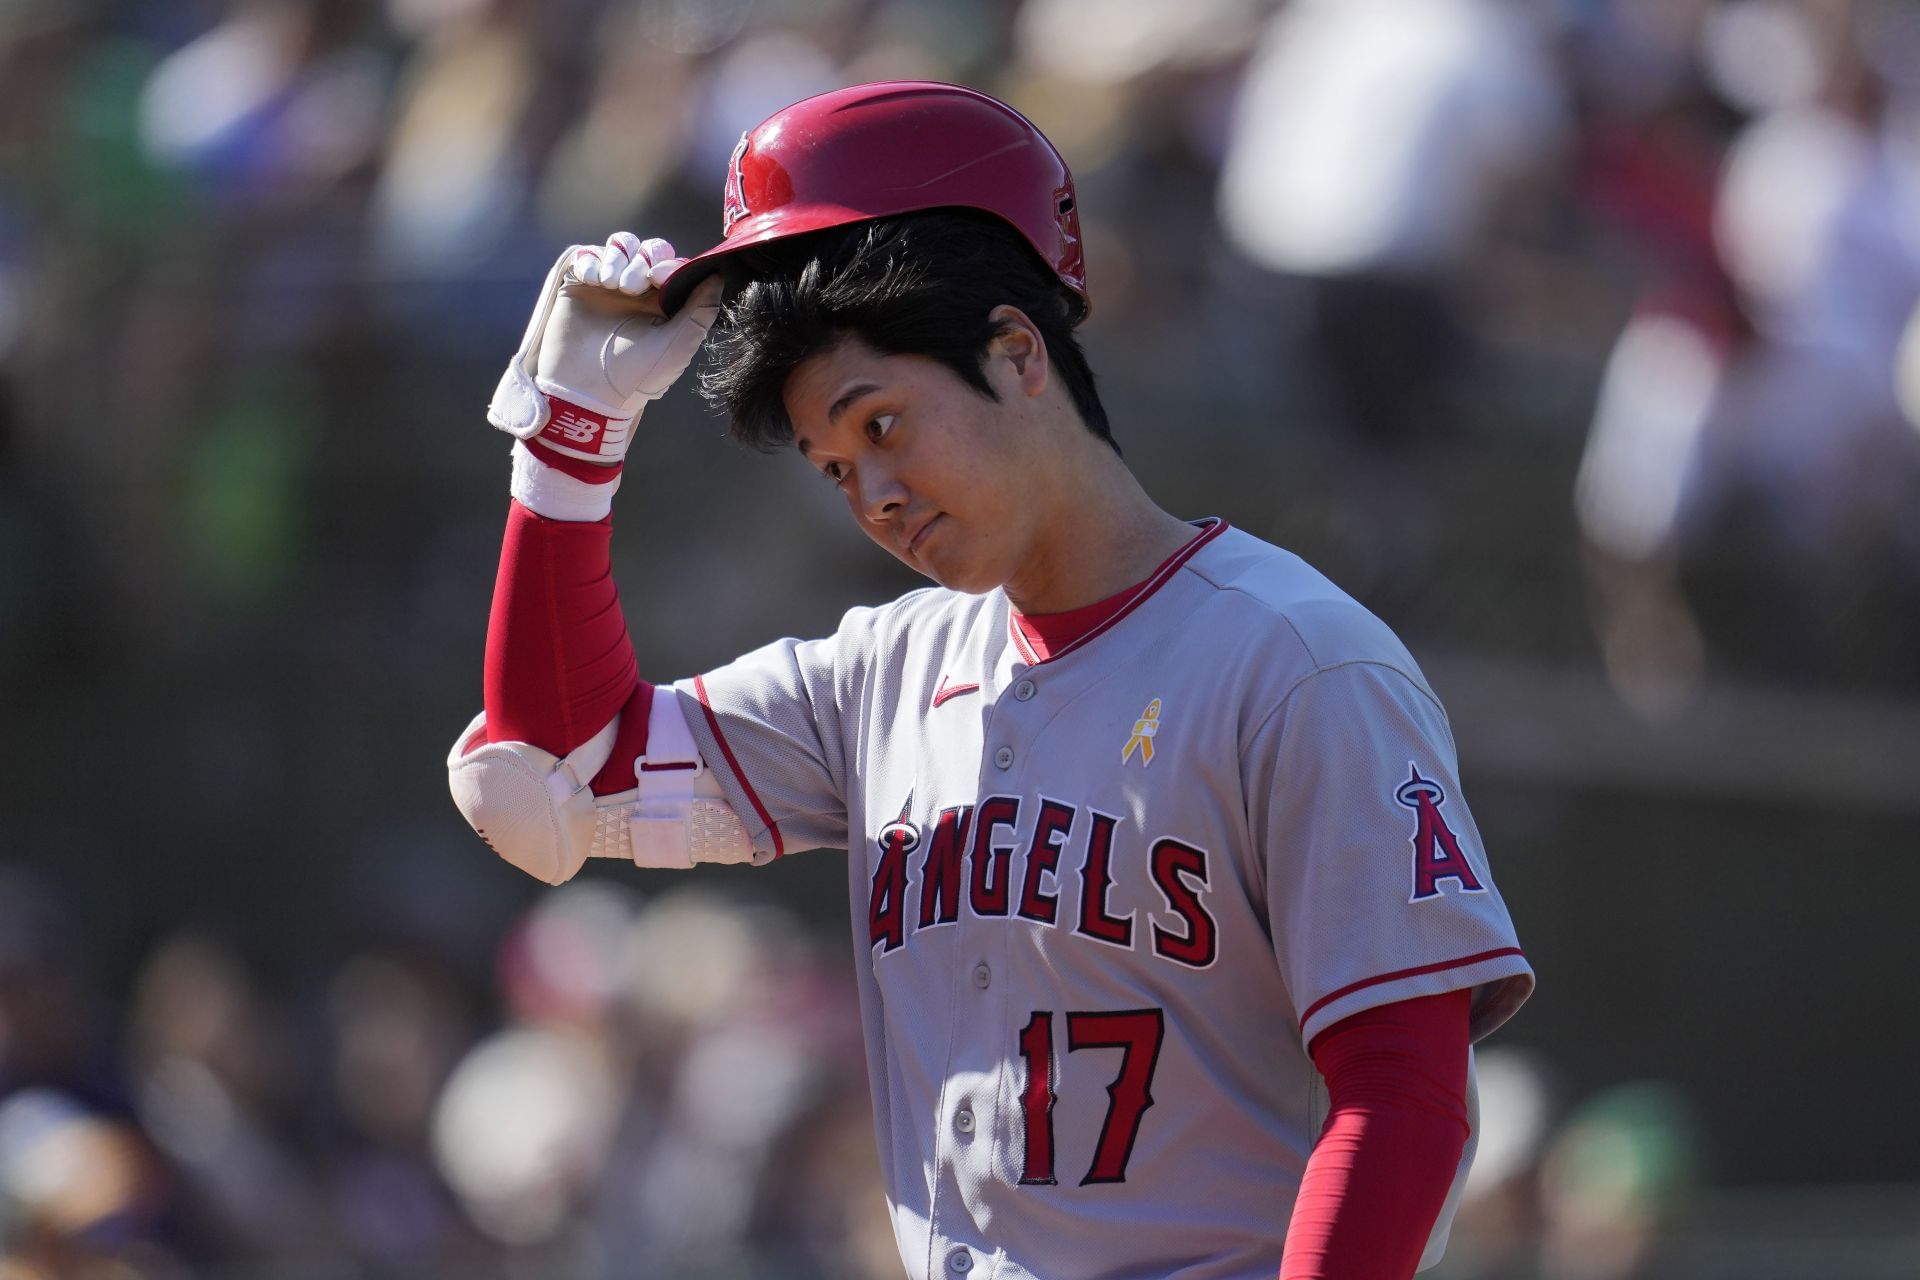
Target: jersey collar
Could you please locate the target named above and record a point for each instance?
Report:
(1044, 637)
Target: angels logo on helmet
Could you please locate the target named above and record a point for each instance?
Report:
(733, 204)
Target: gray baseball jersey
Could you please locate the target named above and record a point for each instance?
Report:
(1102, 902)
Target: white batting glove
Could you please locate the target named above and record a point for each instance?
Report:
(598, 349)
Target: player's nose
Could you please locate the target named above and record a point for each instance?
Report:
(881, 493)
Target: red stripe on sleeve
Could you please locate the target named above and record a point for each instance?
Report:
(1397, 974)
(713, 722)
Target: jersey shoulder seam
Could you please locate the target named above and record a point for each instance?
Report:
(1266, 606)
(1317, 667)
(1233, 585)
(1293, 688)
(1313, 659)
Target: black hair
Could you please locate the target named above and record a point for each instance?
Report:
(917, 284)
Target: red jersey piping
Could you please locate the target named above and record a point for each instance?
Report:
(1414, 972)
(713, 722)
(1159, 578)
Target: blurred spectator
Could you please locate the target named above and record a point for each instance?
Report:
(211, 1066)
(1767, 407)
(79, 1192)
(276, 101)
(1375, 149)
(397, 1022)
(1618, 1178)
(457, 167)
(1373, 141)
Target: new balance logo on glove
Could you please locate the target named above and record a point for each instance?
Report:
(575, 425)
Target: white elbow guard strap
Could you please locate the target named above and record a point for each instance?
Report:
(535, 809)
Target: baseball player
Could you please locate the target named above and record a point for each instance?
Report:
(1172, 927)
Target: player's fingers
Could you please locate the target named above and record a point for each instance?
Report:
(684, 334)
(703, 304)
(590, 265)
(663, 270)
(638, 276)
(585, 263)
(613, 260)
(633, 277)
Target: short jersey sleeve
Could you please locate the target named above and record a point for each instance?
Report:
(1378, 887)
(770, 725)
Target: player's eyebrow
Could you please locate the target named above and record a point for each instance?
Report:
(853, 393)
(839, 407)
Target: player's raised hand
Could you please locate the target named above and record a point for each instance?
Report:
(599, 347)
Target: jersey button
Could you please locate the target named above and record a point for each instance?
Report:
(963, 1121)
(960, 1262)
(1024, 691)
(982, 976)
(1004, 757)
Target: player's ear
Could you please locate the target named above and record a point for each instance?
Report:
(1016, 341)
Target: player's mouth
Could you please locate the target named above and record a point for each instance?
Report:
(919, 537)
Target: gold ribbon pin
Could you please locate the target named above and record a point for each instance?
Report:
(1143, 730)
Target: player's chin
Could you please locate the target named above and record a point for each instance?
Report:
(947, 565)
(968, 579)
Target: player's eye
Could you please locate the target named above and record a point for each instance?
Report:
(834, 471)
(879, 427)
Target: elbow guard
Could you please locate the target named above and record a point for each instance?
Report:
(535, 809)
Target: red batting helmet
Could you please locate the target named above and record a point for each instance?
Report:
(900, 146)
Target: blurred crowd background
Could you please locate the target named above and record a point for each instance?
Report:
(1576, 338)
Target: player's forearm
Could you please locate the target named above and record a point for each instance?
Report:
(559, 664)
(1396, 1080)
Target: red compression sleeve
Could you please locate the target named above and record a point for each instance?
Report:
(559, 663)
(1397, 1086)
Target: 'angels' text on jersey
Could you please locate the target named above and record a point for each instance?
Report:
(977, 854)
